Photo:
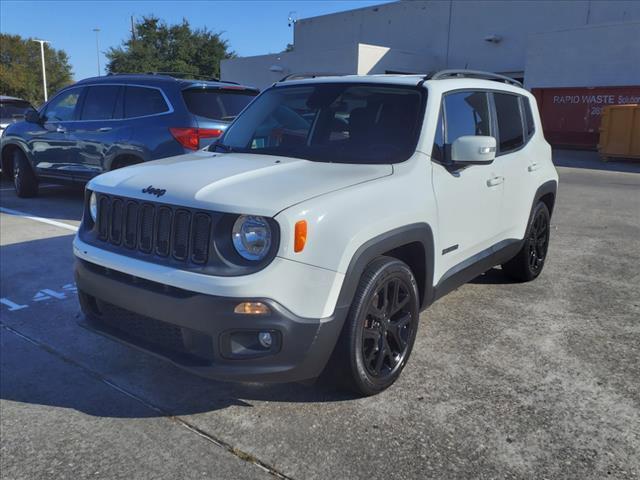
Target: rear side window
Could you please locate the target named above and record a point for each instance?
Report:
(217, 104)
(99, 103)
(509, 122)
(466, 113)
(528, 117)
(142, 101)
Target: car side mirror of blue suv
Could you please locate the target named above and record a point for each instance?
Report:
(32, 116)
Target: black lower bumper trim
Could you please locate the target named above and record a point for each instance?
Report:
(190, 329)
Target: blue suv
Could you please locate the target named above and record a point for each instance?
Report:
(103, 123)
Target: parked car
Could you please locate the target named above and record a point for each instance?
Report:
(104, 123)
(12, 110)
(312, 234)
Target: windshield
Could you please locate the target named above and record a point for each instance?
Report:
(345, 123)
(13, 108)
(217, 104)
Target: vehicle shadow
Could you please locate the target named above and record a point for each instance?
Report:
(36, 376)
(591, 160)
(47, 358)
(494, 276)
(55, 202)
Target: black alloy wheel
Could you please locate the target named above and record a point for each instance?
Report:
(16, 173)
(24, 180)
(388, 326)
(538, 242)
(529, 261)
(380, 329)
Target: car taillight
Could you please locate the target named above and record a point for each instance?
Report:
(190, 137)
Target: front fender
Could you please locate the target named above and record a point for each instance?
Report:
(364, 221)
(417, 233)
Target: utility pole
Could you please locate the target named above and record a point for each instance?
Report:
(133, 29)
(291, 20)
(97, 30)
(44, 70)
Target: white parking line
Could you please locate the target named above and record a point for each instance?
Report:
(48, 221)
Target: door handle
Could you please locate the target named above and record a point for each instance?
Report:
(61, 129)
(492, 182)
(104, 129)
(533, 167)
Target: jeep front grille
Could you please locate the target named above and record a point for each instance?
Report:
(183, 234)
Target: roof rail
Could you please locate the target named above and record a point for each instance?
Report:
(442, 74)
(186, 76)
(178, 76)
(302, 76)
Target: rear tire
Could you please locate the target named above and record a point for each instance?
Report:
(24, 180)
(529, 261)
(380, 330)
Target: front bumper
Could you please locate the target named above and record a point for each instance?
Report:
(201, 332)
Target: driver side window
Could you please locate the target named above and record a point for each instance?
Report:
(466, 113)
(461, 114)
(63, 107)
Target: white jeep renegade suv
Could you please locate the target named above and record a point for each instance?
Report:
(309, 238)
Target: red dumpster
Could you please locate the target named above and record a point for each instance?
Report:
(571, 116)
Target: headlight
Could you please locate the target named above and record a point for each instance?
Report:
(251, 237)
(93, 206)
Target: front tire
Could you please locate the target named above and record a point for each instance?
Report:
(380, 330)
(24, 180)
(529, 261)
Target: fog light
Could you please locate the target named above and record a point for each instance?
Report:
(252, 308)
(265, 339)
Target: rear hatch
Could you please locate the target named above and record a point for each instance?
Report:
(13, 110)
(215, 107)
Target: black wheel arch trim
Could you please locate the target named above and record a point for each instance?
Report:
(497, 254)
(20, 146)
(399, 237)
(550, 186)
(421, 233)
(114, 157)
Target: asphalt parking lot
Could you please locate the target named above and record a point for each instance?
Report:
(506, 380)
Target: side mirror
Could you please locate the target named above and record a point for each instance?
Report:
(473, 150)
(32, 116)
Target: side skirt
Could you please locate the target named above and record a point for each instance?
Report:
(478, 264)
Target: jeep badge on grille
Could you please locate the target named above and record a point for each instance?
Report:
(158, 192)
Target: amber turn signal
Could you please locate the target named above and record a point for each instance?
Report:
(300, 236)
(252, 308)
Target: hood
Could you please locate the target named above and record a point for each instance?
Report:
(234, 182)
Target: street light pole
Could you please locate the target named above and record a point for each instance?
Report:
(44, 70)
(97, 30)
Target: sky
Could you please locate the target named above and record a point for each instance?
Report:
(250, 27)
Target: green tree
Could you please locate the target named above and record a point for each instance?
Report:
(21, 68)
(158, 47)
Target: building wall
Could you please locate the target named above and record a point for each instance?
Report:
(419, 26)
(373, 59)
(430, 35)
(611, 59)
(261, 71)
